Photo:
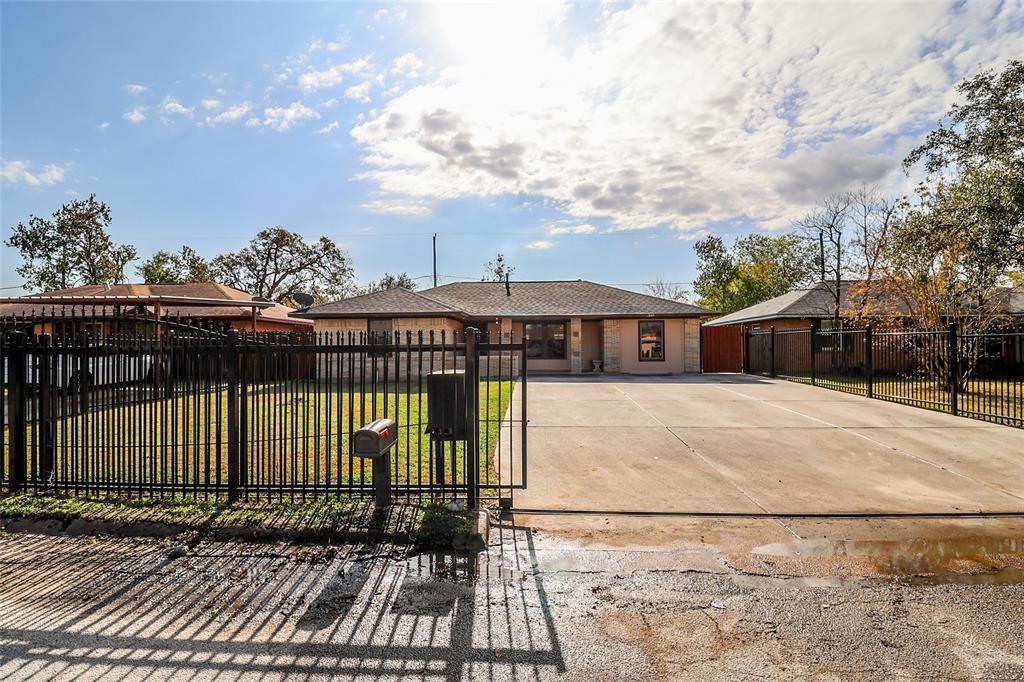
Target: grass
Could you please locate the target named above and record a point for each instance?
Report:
(427, 526)
(293, 433)
(994, 400)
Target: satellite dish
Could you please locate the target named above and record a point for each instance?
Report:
(304, 300)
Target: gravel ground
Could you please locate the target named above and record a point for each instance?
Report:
(531, 608)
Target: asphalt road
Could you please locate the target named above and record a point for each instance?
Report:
(542, 604)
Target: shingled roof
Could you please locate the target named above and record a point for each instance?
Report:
(574, 298)
(199, 291)
(390, 302)
(818, 301)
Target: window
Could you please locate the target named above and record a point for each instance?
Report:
(379, 330)
(652, 341)
(545, 340)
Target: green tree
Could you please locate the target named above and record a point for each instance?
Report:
(71, 249)
(390, 281)
(756, 268)
(277, 264)
(165, 267)
(498, 269)
(964, 232)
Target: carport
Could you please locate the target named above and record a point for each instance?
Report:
(738, 444)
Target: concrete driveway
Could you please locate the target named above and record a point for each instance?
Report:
(735, 443)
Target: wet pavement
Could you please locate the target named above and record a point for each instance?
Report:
(852, 600)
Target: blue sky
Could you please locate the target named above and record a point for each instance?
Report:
(583, 140)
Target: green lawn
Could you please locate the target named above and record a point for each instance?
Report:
(296, 433)
(993, 400)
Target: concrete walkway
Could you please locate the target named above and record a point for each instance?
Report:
(735, 443)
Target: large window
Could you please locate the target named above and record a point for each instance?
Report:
(379, 330)
(652, 341)
(545, 340)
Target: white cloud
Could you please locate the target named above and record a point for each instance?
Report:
(407, 65)
(333, 125)
(339, 44)
(171, 105)
(313, 80)
(20, 173)
(393, 206)
(230, 115)
(359, 93)
(564, 227)
(315, 46)
(135, 88)
(540, 245)
(104, 125)
(135, 114)
(210, 104)
(683, 115)
(282, 118)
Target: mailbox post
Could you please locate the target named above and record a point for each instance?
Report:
(374, 442)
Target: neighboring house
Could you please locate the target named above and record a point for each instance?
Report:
(567, 325)
(800, 308)
(103, 307)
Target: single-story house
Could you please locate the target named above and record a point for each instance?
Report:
(571, 326)
(815, 304)
(103, 306)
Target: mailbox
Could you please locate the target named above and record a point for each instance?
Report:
(373, 442)
(446, 405)
(375, 439)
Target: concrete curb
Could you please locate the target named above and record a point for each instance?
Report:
(475, 540)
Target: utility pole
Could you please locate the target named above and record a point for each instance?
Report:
(435, 259)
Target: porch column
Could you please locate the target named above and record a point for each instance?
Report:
(575, 345)
(612, 346)
(505, 329)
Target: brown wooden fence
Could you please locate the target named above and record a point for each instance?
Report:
(722, 348)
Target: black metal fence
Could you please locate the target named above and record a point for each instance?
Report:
(978, 375)
(155, 410)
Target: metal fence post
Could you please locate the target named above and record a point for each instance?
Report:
(231, 365)
(869, 363)
(954, 370)
(771, 351)
(16, 394)
(815, 328)
(472, 418)
(47, 429)
(745, 360)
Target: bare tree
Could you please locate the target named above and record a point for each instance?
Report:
(872, 217)
(498, 269)
(827, 224)
(670, 290)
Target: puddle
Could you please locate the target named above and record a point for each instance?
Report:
(763, 581)
(457, 567)
(1005, 576)
(966, 560)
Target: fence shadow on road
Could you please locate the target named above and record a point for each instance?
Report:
(70, 607)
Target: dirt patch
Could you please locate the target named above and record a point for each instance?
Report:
(678, 643)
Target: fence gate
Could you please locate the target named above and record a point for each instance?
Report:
(977, 374)
(721, 348)
(145, 410)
